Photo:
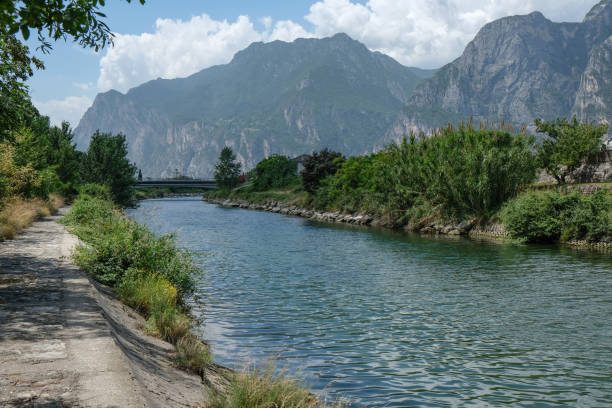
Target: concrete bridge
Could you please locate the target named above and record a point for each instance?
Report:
(189, 183)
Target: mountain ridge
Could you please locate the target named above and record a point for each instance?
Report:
(516, 69)
(278, 97)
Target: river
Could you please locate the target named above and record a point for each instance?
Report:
(397, 320)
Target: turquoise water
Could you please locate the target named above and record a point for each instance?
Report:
(395, 320)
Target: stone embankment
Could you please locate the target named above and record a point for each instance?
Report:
(468, 228)
(432, 227)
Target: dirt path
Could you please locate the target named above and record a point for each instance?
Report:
(66, 342)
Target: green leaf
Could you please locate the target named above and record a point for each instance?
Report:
(25, 32)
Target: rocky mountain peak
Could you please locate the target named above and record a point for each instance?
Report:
(598, 11)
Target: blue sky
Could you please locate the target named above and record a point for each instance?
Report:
(177, 38)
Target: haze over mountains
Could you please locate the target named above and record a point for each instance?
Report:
(293, 98)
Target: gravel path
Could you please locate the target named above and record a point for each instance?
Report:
(67, 342)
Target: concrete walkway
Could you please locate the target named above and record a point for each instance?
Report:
(59, 346)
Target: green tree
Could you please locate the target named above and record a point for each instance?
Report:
(227, 169)
(16, 66)
(274, 172)
(319, 165)
(106, 163)
(568, 144)
(80, 20)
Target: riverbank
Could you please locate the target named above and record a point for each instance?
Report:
(154, 277)
(68, 341)
(429, 226)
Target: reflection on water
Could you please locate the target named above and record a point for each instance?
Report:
(389, 319)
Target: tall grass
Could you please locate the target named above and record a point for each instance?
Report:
(262, 388)
(19, 213)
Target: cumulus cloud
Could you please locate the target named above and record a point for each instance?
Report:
(179, 48)
(423, 33)
(70, 109)
(427, 33)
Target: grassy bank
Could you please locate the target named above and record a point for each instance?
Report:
(19, 213)
(148, 273)
(290, 195)
(153, 276)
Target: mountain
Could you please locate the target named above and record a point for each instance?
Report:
(278, 97)
(517, 69)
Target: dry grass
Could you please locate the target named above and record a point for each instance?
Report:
(19, 213)
(265, 389)
(193, 353)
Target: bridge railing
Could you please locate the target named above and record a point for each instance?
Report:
(207, 184)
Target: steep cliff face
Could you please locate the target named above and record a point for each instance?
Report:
(517, 69)
(285, 98)
(594, 96)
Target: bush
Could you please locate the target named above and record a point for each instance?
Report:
(457, 173)
(146, 292)
(553, 216)
(318, 166)
(118, 244)
(274, 172)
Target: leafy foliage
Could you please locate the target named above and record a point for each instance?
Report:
(106, 163)
(553, 216)
(319, 165)
(118, 244)
(54, 19)
(149, 273)
(38, 160)
(460, 172)
(16, 66)
(274, 172)
(567, 145)
(227, 170)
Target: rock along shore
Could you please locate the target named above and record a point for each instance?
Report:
(463, 228)
(467, 228)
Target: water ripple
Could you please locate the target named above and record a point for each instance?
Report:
(394, 320)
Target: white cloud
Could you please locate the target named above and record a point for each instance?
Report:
(83, 86)
(424, 33)
(70, 109)
(427, 33)
(179, 48)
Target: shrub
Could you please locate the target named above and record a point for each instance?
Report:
(118, 244)
(146, 292)
(318, 166)
(553, 216)
(458, 172)
(274, 172)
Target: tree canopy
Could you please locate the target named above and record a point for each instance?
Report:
(568, 144)
(227, 170)
(80, 20)
(106, 163)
